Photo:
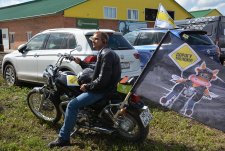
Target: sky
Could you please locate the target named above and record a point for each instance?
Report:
(189, 5)
(193, 5)
(11, 2)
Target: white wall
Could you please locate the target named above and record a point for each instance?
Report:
(5, 38)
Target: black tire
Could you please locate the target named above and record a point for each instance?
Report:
(49, 111)
(10, 76)
(136, 133)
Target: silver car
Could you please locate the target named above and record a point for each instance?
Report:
(28, 63)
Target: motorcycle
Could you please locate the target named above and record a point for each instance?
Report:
(118, 112)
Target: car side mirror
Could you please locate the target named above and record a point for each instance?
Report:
(22, 48)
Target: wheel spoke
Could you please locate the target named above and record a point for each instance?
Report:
(42, 107)
(129, 127)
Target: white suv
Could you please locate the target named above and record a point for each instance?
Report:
(29, 62)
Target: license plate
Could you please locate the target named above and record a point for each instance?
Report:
(125, 65)
(145, 116)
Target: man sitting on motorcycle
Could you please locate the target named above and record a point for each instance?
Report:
(107, 73)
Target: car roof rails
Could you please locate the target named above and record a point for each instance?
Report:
(158, 28)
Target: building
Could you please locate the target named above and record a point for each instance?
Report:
(20, 22)
(205, 13)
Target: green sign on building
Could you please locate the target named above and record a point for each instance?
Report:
(87, 23)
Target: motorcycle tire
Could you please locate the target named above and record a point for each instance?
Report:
(131, 128)
(47, 110)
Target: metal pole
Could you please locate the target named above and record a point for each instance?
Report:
(122, 105)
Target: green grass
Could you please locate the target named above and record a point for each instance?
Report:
(20, 130)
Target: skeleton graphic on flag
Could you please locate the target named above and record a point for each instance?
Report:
(163, 19)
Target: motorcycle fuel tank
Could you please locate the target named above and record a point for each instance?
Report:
(67, 79)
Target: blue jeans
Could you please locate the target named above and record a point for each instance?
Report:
(84, 99)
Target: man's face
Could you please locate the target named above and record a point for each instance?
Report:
(97, 42)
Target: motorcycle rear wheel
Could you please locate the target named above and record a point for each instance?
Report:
(131, 128)
(44, 109)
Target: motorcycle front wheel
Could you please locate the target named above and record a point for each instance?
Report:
(43, 108)
(131, 128)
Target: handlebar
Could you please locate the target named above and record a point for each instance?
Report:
(65, 56)
(70, 58)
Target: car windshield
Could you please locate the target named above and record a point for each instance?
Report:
(196, 39)
(150, 38)
(131, 37)
(116, 42)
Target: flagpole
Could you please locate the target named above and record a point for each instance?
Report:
(122, 105)
(157, 15)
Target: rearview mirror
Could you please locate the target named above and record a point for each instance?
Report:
(78, 48)
(22, 48)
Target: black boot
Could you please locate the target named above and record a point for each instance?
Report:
(59, 142)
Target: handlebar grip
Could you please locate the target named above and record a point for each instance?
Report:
(71, 58)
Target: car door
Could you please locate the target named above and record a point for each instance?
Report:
(27, 62)
(56, 44)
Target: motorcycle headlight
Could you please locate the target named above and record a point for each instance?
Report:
(47, 74)
(46, 78)
(49, 70)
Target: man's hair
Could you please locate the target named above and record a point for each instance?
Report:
(104, 37)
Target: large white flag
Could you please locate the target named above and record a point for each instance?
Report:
(163, 19)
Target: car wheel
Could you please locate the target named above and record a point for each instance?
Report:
(10, 75)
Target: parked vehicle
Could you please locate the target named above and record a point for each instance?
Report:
(109, 115)
(213, 25)
(145, 41)
(29, 62)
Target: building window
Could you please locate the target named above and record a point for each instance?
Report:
(150, 14)
(29, 35)
(3, 35)
(110, 12)
(12, 37)
(132, 14)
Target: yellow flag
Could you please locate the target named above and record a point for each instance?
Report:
(163, 19)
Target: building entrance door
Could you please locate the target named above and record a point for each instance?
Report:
(5, 38)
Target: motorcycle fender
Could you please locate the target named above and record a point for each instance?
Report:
(135, 110)
(143, 113)
(37, 89)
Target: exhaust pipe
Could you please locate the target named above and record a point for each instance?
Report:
(99, 129)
